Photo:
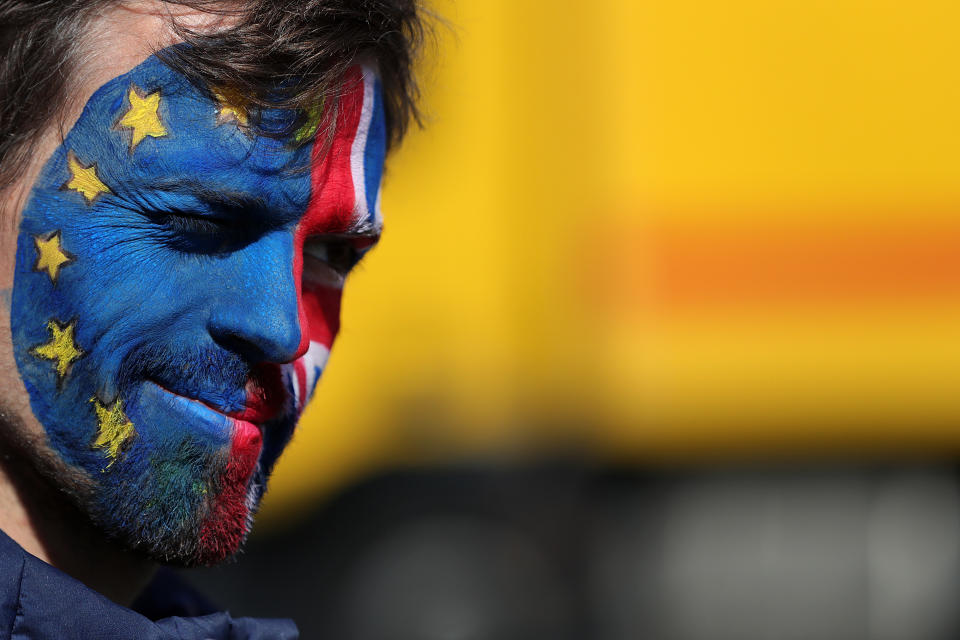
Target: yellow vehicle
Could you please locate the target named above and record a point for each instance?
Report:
(656, 232)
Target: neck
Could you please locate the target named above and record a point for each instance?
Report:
(46, 524)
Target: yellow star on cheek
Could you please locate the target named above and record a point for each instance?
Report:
(114, 430)
(50, 255)
(83, 179)
(230, 107)
(62, 349)
(142, 117)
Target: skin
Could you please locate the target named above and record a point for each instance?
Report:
(195, 281)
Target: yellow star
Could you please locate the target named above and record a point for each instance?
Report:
(310, 125)
(83, 179)
(114, 430)
(142, 117)
(230, 107)
(61, 348)
(50, 255)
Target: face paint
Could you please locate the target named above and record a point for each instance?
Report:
(176, 295)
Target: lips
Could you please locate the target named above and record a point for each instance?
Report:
(208, 424)
(264, 396)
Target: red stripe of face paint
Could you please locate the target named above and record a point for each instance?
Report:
(331, 206)
(223, 531)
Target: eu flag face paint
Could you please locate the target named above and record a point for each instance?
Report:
(177, 292)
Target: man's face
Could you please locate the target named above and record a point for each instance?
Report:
(176, 293)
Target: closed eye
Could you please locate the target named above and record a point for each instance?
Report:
(193, 232)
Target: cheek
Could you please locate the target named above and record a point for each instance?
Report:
(320, 317)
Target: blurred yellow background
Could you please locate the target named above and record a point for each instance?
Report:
(658, 232)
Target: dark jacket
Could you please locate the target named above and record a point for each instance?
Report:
(39, 602)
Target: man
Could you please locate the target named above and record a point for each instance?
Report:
(185, 186)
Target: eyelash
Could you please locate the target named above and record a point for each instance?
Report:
(191, 232)
(183, 222)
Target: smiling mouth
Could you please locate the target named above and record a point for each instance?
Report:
(265, 398)
(216, 419)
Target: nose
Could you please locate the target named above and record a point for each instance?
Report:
(256, 313)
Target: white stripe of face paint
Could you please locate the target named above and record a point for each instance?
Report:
(290, 370)
(313, 363)
(315, 359)
(358, 150)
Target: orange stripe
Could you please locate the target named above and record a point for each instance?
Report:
(672, 266)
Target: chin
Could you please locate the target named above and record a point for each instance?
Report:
(193, 508)
(214, 532)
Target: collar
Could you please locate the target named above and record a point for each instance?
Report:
(41, 602)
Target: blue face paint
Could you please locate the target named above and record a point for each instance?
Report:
(176, 293)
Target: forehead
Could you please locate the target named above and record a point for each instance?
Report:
(152, 129)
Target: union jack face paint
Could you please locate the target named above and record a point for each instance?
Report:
(177, 293)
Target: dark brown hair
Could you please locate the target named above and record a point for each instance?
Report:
(286, 53)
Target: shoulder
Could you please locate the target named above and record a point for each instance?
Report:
(12, 559)
(40, 602)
